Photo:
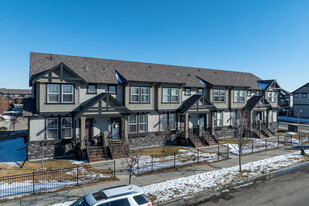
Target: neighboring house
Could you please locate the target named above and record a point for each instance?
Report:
(93, 103)
(14, 94)
(301, 101)
(284, 102)
(283, 98)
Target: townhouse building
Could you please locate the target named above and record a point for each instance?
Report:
(83, 104)
(301, 101)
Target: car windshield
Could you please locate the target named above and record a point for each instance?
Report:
(80, 202)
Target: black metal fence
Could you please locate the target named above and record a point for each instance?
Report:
(174, 159)
(49, 180)
(257, 145)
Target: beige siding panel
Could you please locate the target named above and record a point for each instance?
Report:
(45, 107)
(137, 106)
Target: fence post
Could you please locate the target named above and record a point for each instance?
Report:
(227, 151)
(174, 159)
(218, 150)
(252, 145)
(284, 140)
(265, 144)
(291, 140)
(151, 162)
(197, 154)
(278, 141)
(77, 175)
(114, 169)
(33, 182)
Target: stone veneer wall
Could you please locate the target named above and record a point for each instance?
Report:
(51, 149)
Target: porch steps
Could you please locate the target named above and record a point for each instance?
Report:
(116, 149)
(196, 141)
(270, 133)
(96, 153)
(211, 140)
(263, 133)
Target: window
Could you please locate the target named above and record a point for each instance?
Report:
(296, 95)
(172, 121)
(271, 96)
(239, 96)
(140, 94)
(121, 202)
(145, 94)
(141, 199)
(166, 95)
(53, 93)
(142, 123)
(219, 95)
(140, 120)
(218, 119)
(132, 123)
(174, 96)
(92, 89)
(66, 127)
(112, 89)
(249, 93)
(199, 91)
(234, 117)
(170, 95)
(67, 93)
(271, 116)
(52, 128)
(168, 121)
(163, 122)
(187, 91)
(134, 94)
(304, 95)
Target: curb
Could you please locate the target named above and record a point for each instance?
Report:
(200, 197)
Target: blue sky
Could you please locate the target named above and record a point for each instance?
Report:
(268, 38)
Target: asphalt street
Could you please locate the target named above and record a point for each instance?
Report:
(286, 190)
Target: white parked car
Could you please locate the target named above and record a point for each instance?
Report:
(125, 195)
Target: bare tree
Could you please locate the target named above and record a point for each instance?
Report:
(165, 136)
(132, 152)
(242, 133)
(14, 120)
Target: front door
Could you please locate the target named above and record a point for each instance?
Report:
(116, 128)
(88, 129)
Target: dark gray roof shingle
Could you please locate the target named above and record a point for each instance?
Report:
(103, 71)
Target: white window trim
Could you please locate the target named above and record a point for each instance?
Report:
(55, 128)
(138, 94)
(48, 93)
(172, 122)
(148, 94)
(219, 120)
(135, 123)
(71, 93)
(239, 96)
(177, 94)
(67, 127)
(219, 95)
(143, 123)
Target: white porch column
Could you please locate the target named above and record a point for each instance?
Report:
(82, 132)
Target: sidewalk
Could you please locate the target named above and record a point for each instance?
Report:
(73, 194)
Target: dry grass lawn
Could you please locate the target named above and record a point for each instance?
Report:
(231, 141)
(158, 151)
(30, 167)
